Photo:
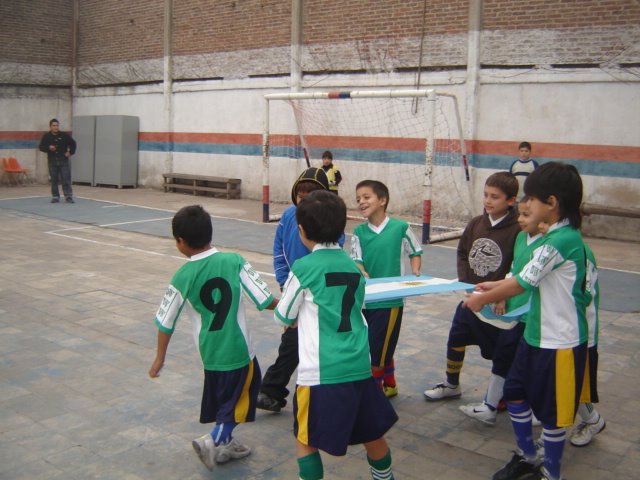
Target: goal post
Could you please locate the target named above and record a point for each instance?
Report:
(411, 140)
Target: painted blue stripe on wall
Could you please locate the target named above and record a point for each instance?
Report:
(18, 144)
(599, 168)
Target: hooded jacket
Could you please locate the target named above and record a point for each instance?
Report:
(485, 252)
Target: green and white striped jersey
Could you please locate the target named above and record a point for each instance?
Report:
(556, 277)
(380, 250)
(593, 288)
(523, 249)
(325, 293)
(211, 289)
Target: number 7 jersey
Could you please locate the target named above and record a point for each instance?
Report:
(211, 289)
(325, 293)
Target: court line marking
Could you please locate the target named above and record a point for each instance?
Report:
(125, 247)
(116, 204)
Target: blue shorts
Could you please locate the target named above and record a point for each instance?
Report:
(230, 396)
(331, 417)
(505, 350)
(590, 385)
(384, 330)
(550, 380)
(467, 329)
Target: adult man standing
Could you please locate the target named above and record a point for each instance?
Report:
(59, 146)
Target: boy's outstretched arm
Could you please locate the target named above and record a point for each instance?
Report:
(158, 363)
(416, 264)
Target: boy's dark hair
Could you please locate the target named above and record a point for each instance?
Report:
(193, 224)
(526, 145)
(311, 179)
(53, 120)
(323, 216)
(563, 182)
(505, 181)
(379, 188)
(327, 154)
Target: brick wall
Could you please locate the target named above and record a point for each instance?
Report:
(122, 41)
(112, 31)
(37, 31)
(202, 26)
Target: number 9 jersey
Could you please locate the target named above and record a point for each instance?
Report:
(211, 289)
(325, 293)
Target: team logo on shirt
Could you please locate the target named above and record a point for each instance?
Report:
(485, 257)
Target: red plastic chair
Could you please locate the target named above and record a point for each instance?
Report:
(16, 172)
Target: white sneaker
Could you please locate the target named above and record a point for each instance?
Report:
(206, 449)
(481, 412)
(584, 432)
(442, 392)
(231, 451)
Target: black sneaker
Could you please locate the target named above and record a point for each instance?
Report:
(55, 200)
(518, 468)
(265, 402)
(69, 200)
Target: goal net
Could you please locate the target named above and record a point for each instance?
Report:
(411, 140)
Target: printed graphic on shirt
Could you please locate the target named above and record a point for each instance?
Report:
(485, 257)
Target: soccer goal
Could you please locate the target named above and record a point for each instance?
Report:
(411, 140)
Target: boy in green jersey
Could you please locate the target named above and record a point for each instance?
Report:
(546, 377)
(378, 247)
(526, 242)
(211, 289)
(337, 403)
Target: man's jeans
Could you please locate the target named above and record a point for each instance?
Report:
(60, 169)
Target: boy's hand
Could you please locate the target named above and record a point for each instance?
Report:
(485, 286)
(157, 365)
(473, 302)
(499, 307)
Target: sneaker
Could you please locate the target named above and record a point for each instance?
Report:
(389, 391)
(442, 392)
(206, 450)
(231, 451)
(481, 412)
(55, 200)
(69, 200)
(265, 402)
(518, 468)
(584, 432)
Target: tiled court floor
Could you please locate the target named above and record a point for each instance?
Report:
(76, 339)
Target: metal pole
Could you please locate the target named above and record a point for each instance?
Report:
(168, 81)
(265, 163)
(428, 167)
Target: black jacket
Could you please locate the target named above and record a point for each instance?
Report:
(63, 143)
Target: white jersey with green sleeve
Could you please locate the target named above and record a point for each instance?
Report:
(593, 288)
(556, 277)
(380, 250)
(325, 293)
(523, 249)
(211, 289)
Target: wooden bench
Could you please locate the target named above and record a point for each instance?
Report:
(202, 184)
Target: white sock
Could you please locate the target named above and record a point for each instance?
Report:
(494, 391)
(587, 413)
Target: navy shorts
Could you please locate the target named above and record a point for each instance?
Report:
(590, 385)
(230, 396)
(331, 417)
(550, 380)
(505, 350)
(384, 330)
(467, 329)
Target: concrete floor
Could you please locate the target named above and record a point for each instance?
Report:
(80, 284)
